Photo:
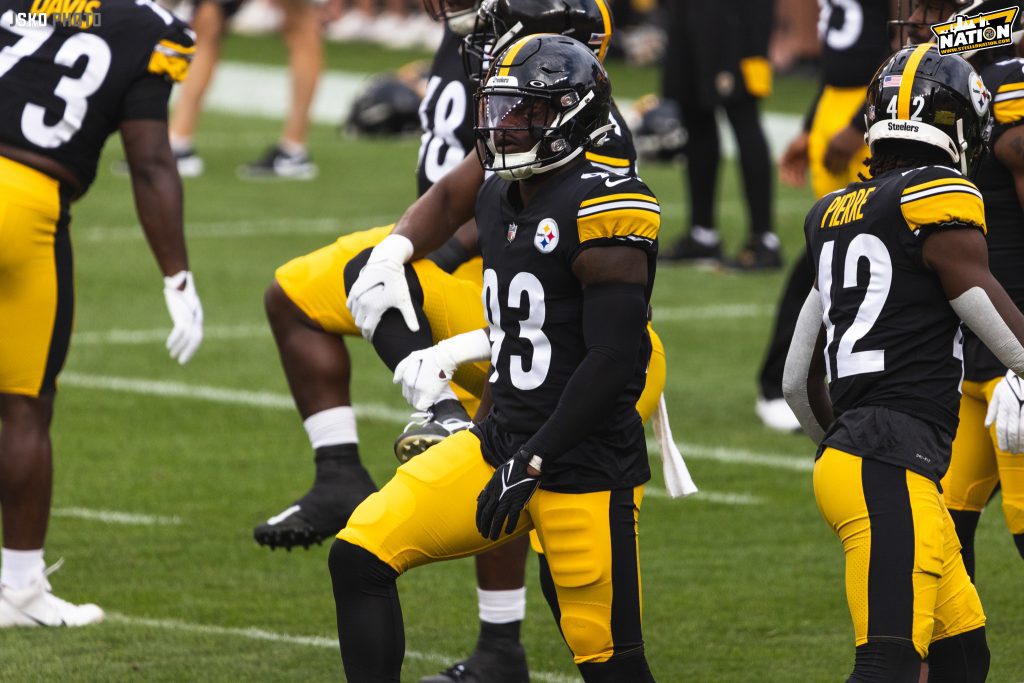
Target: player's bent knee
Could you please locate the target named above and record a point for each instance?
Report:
(627, 666)
(354, 265)
(354, 568)
(588, 635)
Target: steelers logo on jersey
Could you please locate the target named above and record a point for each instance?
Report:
(546, 238)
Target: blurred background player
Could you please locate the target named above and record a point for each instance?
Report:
(55, 117)
(979, 464)
(302, 31)
(854, 41)
(900, 260)
(716, 58)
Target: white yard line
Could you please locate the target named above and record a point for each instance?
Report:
(114, 517)
(306, 641)
(702, 496)
(735, 456)
(237, 229)
(719, 312)
(159, 335)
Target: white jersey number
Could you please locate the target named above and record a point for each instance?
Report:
(440, 149)
(523, 286)
(844, 36)
(864, 246)
(74, 91)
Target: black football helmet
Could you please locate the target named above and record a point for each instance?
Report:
(459, 15)
(545, 100)
(500, 22)
(915, 18)
(387, 106)
(919, 95)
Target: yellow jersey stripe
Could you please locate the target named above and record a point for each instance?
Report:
(1009, 111)
(960, 206)
(510, 56)
(606, 19)
(624, 223)
(608, 161)
(941, 182)
(907, 82)
(618, 197)
(176, 48)
(1007, 87)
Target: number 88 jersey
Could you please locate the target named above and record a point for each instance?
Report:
(892, 339)
(66, 84)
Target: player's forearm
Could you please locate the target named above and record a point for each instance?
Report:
(158, 202)
(992, 315)
(614, 321)
(442, 209)
(802, 386)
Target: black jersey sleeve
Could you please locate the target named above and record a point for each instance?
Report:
(1008, 97)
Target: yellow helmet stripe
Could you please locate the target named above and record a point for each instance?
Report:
(606, 18)
(510, 56)
(907, 83)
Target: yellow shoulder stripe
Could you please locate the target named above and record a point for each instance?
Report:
(171, 59)
(623, 223)
(941, 182)
(608, 161)
(1009, 87)
(957, 206)
(1009, 111)
(618, 197)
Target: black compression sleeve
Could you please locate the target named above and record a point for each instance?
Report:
(450, 256)
(614, 320)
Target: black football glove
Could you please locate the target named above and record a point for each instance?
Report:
(505, 496)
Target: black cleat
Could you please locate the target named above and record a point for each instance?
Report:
(436, 424)
(506, 664)
(762, 252)
(277, 164)
(318, 515)
(700, 246)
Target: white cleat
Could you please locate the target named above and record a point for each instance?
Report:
(36, 605)
(776, 414)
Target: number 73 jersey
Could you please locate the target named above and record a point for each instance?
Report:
(67, 83)
(892, 339)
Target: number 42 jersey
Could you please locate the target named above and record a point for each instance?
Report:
(67, 84)
(534, 304)
(893, 343)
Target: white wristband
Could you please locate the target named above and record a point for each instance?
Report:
(177, 280)
(395, 248)
(535, 462)
(468, 347)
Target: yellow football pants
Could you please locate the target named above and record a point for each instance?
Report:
(427, 512)
(451, 302)
(978, 464)
(36, 281)
(835, 109)
(905, 579)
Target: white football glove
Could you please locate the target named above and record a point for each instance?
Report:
(424, 374)
(186, 314)
(381, 286)
(1006, 410)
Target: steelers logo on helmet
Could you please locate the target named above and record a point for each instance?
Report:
(544, 102)
(921, 96)
(499, 23)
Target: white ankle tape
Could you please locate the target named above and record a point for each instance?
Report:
(19, 567)
(502, 607)
(332, 426)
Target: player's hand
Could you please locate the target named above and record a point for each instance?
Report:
(506, 494)
(186, 314)
(841, 149)
(381, 286)
(1006, 410)
(794, 161)
(424, 375)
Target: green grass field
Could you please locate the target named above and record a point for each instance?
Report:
(744, 583)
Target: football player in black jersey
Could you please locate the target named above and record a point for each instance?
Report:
(568, 254)
(67, 81)
(980, 459)
(899, 261)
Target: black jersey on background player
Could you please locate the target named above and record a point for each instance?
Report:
(895, 395)
(854, 40)
(1003, 215)
(533, 303)
(67, 89)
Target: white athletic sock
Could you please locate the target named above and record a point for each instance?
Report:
(332, 426)
(292, 148)
(502, 607)
(19, 567)
(706, 236)
(179, 145)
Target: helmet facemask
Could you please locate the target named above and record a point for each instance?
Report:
(459, 15)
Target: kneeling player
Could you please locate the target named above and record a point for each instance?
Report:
(562, 451)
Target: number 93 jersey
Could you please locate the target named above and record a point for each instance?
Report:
(66, 83)
(534, 303)
(893, 342)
